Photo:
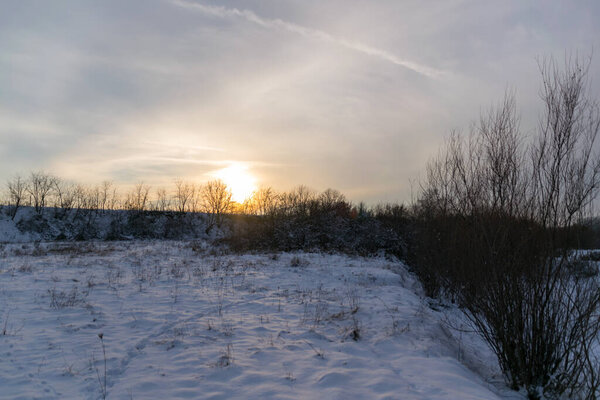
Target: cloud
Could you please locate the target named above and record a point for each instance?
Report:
(157, 89)
(223, 12)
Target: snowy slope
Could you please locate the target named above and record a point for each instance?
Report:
(58, 224)
(9, 233)
(182, 323)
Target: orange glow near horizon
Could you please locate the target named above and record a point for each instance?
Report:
(237, 178)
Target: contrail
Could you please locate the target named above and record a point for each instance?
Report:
(223, 12)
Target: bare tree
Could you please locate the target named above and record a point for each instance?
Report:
(94, 198)
(566, 171)
(106, 190)
(484, 171)
(248, 206)
(184, 196)
(64, 197)
(265, 201)
(297, 201)
(137, 198)
(40, 187)
(197, 201)
(163, 201)
(333, 200)
(17, 188)
(80, 201)
(216, 198)
(113, 201)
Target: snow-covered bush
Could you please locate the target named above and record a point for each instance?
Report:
(324, 222)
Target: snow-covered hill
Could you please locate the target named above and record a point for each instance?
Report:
(59, 224)
(178, 321)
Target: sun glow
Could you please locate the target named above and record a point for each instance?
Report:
(241, 183)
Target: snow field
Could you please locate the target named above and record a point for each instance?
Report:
(181, 322)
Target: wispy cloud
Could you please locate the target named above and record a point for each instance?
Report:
(182, 147)
(224, 12)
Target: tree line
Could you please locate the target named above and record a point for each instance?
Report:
(42, 190)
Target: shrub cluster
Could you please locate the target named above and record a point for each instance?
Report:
(112, 225)
(304, 220)
(495, 224)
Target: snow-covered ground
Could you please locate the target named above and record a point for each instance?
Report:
(178, 321)
(9, 233)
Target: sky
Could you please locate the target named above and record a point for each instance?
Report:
(354, 95)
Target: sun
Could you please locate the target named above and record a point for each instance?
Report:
(237, 178)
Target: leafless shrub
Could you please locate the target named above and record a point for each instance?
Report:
(145, 275)
(298, 201)
(225, 327)
(5, 326)
(495, 219)
(40, 187)
(17, 189)
(184, 196)
(298, 261)
(177, 271)
(395, 327)
(102, 380)
(354, 330)
(8, 329)
(181, 331)
(137, 199)
(320, 353)
(216, 199)
(220, 301)
(290, 376)
(60, 299)
(25, 268)
(108, 196)
(264, 201)
(226, 357)
(163, 201)
(316, 307)
(113, 277)
(353, 300)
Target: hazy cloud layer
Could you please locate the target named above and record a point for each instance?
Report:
(354, 95)
(308, 33)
